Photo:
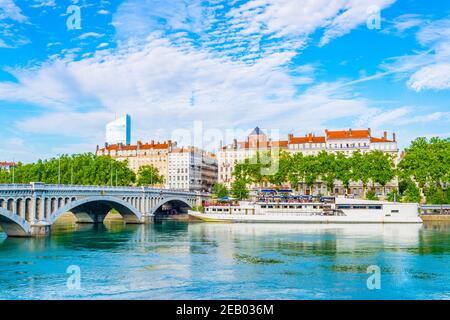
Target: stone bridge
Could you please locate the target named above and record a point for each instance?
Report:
(30, 209)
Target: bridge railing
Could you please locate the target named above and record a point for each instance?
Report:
(68, 187)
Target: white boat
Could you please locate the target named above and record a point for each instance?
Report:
(331, 210)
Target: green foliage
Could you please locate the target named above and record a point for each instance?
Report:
(198, 209)
(427, 162)
(220, 190)
(394, 195)
(437, 195)
(80, 169)
(148, 176)
(239, 189)
(411, 194)
(370, 195)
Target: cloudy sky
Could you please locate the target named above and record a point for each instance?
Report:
(294, 65)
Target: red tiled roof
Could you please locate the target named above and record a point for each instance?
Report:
(308, 139)
(346, 134)
(373, 139)
(146, 146)
(7, 164)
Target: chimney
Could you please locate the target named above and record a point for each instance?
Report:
(97, 148)
(350, 132)
(385, 135)
(369, 132)
(290, 136)
(235, 143)
(394, 137)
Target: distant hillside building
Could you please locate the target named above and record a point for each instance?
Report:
(7, 165)
(333, 141)
(119, 131)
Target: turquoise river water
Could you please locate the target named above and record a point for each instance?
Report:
(181, 260)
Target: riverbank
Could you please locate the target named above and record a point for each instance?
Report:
(435, 217)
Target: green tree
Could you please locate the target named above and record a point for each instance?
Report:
(220, 190)
(361, 170)
(381, 167)
(239, 189)
(426, 162)
(148, 176)
(327, 169)
(79, 169)
(412, 193)
(371, 195)
(344, 170)
(394, 195)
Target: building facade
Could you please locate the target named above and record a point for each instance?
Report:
(191, 168)
(186, 168)
(119, 131)
(153, 153)
(344, 141)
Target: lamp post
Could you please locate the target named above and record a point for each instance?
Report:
(71, 173)
(13, 170)
(59, 168)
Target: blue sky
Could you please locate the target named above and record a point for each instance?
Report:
(288, 65)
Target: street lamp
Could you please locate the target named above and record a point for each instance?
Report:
(59, 168)
(13, 170)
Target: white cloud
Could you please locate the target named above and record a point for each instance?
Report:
(163, 86)
(429, 68)
(9, 10)
(90, 35)
(399, 117)
(280, 18)
(435, 76)
(103, 11)
(43, 3)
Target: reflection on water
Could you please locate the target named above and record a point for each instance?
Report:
(176, 260)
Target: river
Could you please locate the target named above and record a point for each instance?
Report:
(196, 260)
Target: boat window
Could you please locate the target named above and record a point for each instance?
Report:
(394, 211)
(343, 206)
(263, 207)
(291, 207)
(374, 207)
(270, 207)
(359, 207)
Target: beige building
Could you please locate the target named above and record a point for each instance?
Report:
(138, 155)
(186, 168)
(345, 141)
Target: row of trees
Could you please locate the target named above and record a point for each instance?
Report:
(81, 169)
(423, 172)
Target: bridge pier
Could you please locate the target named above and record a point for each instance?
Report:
(147, 218)
(40, 229)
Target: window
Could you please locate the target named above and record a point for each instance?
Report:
(394, 211)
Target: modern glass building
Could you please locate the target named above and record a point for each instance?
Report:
(119, 131)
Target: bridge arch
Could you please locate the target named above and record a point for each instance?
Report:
(180, 203)
(103, 204)
(13, 224)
